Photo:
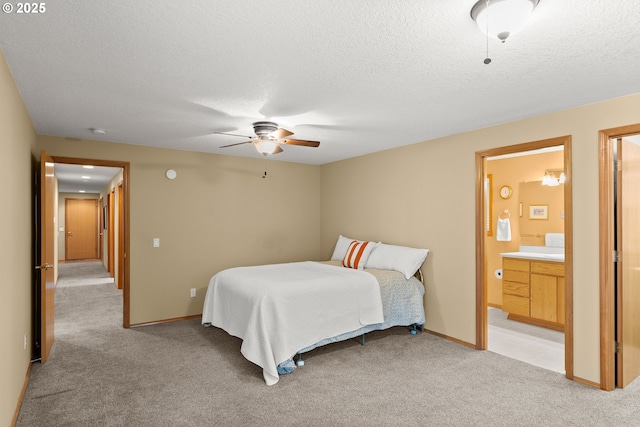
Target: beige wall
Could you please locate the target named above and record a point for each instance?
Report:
(17, 141)
(424, 195)
(219, 212)
(512, 171)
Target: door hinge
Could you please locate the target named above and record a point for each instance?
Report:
(616, 256)
(617, 347)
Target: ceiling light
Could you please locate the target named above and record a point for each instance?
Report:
(98, 131)
(87, 167)
(501, 18)
(85, 177)
(266, 146)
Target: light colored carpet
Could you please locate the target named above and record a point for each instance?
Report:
(83, 273)
(182, 374)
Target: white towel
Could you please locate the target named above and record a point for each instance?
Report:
(503, 230)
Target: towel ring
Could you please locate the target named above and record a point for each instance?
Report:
(503, 213)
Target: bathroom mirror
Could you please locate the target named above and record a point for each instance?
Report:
(541, 211)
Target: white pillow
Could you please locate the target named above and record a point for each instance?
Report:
(341, 248)
(399, 258)
(357, 254)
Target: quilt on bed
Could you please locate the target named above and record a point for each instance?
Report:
(279, 309)
(402, 305)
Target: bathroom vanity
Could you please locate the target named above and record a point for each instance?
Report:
(533, 288)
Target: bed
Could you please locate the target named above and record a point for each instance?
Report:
(283, 310)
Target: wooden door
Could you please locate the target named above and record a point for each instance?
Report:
(81, 224)
(100, 230)
(120, 251)
(628, 267)
(544, 297)
(47, 229)
(110, 233)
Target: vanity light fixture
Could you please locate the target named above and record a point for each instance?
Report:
(501, 18)
(550, 179)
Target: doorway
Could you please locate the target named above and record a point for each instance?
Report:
(122, 260)
(524, 257)
(619, 256)
(562, 286)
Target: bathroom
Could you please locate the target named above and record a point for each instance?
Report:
(524, 231)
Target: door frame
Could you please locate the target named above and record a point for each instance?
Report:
(126, 323)
(120, 249)
(482, 320)
(110, 232)
(607, 246)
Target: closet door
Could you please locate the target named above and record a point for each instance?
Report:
(628, 268)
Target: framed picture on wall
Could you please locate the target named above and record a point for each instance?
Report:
(538, 211)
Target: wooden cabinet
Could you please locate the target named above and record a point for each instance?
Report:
(515, 286)
(533, 291)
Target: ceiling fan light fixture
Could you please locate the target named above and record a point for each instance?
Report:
(269, 137)
(501, 18)
(266, 146)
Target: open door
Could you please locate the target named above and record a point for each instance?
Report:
(47, 230)
(120, 251)
(628, 266)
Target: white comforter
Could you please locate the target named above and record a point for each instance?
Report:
(279, 309)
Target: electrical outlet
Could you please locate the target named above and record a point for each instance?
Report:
(25, 341)
(193, 292)
(156, 242)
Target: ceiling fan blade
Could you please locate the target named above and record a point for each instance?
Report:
(280, 133)
(239, 143)
(277, 150)
(233, 134)
(301, 142)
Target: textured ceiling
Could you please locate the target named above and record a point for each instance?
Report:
(78, 179)
(359, 76)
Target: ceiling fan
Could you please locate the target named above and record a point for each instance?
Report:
(269, 137)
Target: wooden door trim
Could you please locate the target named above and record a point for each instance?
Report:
(120, 251)
(100, 229)
(607, 246)
(482, 321)
(111, 234)
(126, 167)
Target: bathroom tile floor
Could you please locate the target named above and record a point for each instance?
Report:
(528, 343)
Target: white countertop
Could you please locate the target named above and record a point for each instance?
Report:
(534, 255)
